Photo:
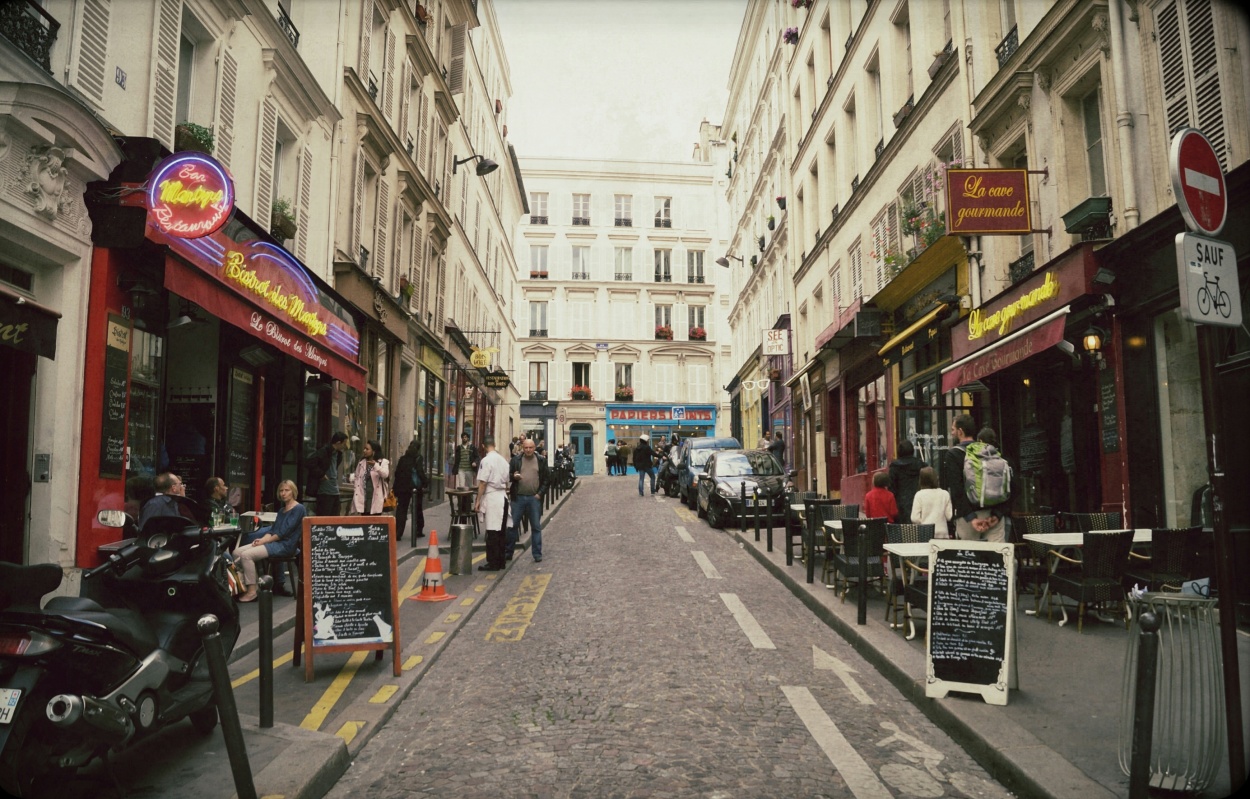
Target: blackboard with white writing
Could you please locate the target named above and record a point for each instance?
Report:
(116, 394)
(970, 619)
(1108, 411)
(241, 429)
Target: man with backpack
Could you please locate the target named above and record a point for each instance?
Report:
(978, 479)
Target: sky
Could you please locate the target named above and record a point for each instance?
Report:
(618, 79)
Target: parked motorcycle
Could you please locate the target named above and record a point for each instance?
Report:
(566, 473)
(81, 678)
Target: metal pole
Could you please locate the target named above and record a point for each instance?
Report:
(785, 515)
(1144, 707)
(219, 673)
(769, 500)
(755, 510)
(862, 617)
(742, 517)
(809, 535)
(265, 642)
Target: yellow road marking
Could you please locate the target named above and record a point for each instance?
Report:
(518, 614)
(384, 693)
(451, 617)
(466, 601)
(317, 716)
(349, 729)
(434, 638)
(482, 586)
(251, 675)
(412, 661)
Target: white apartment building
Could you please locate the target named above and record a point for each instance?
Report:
(619, 316)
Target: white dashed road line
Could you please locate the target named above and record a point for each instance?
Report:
(754, 632)
(859, 775)
(709, 571)
(683, 535)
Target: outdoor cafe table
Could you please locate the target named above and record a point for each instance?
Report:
(1141, 535)
(912, 550)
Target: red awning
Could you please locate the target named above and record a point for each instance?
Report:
(1008, 352)
(192, 284)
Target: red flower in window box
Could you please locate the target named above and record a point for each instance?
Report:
(580, 393)
(664, 332)
(698, 334)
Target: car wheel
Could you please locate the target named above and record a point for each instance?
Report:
(715, 515)
(698, 509)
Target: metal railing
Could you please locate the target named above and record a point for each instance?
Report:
(287, 26)
(538, 395)
(694, 279)
(580, 276)
(624, 222)
(663, 223)
(1022, 267)
(536, 333)
(409, 146)
(31, 29)
(581, 221)
(624, 276)
(538, 220)
(364, 258)
(661, 277)
(1008, 46)
(373, 87)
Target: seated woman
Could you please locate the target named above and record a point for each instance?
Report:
(277, 540)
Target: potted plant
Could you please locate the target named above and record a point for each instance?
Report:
(406, 289)
(664, 332)
(580, 392)
(790, 36)
(801, 3)
(761, 243)
(781, 202)
(934, 228)
(625, 393)
(755, 259)
(772, 222)
(698, 334)
(774, 374)
(281, 220)
(190, 136)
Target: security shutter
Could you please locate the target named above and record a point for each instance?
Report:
(455, 75)
(381, 255)
(165, 71)
(91, 49)
(226, 89)
(266, 141)
(305, 201)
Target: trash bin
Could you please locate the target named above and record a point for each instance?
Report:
(461, 549)
(1188, 736)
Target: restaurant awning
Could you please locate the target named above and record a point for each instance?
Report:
(917, 334)
(1030, 340)
(26, 325)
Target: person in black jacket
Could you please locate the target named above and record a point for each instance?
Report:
(905, 479)
(963, 431)
(322, 469)
(644, 462)
(530, 478)
(409, 480)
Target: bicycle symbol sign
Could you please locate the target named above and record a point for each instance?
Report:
(1207, 270)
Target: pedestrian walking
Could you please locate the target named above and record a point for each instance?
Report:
(778, 449)
(905, 477)
(992, 483)
(610, 457)
(622, 458)
(409, 484)
(931, 505)
(879, 502)
(963, 429)
(530, 478)
(371, 482)
(466, 462)
(491, 504)
(644, 462)
(322, 475)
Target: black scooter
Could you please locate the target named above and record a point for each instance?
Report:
(81, 678)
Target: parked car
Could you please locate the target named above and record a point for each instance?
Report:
(720, 489)
(691, 459)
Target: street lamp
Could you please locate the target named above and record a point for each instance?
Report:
(724, 259)
(484, 167)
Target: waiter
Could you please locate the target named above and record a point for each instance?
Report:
(492, 504)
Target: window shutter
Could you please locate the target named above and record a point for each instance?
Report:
(857, 275)
(880, 243)
(1204, 58)
(423, 129)
(366, 31)
(358, 197)
(1172, 63)
(446, 198)
(439, 318)
(224, 133)
(165, 71)
(696, 382)
(388, 78)
(415, 258)
(91, 49)
(405, 104)
(267, 140)
(381, 255)
(666, 380)
(455, 75)
(305, 201)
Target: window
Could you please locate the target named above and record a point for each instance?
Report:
(624, 374)
(623, 263)
(697, 317)
(581, 209)
(624, 212)
(581, 374)
(538, 207)
(694, 266)
(664, 316)
(868, 430)
(663, 211)
(1094, 160)
(538, 319)
(663, 266)
(538, 261)
(581, 263)
(538, 380)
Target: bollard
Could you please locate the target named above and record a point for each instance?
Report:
(265, 651)
(227, 712)
(769, 500)
(755, 511)
(742, 519)
(809, 536)
(862, 618)
(461, 554)
(1144, 706)
(785, 515)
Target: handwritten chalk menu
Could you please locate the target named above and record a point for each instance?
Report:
(1108, 411)
(241, 429)
(1033, 448)
(350, 597)
(970, 640)
(116, 384)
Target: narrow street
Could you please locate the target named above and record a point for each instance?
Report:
(649, 655)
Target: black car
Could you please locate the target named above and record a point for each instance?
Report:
(690, 462)
(720, 489)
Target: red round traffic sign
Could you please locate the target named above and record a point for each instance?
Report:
(1198, 182)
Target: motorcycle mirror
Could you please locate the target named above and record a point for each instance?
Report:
(111, 518)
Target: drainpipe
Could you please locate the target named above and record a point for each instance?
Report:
(1123, 119)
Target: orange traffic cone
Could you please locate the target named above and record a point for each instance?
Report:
(432, 589)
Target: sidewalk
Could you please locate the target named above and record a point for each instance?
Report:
(287, 761)
(1058, 735)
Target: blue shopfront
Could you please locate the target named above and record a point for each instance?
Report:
(626, 421)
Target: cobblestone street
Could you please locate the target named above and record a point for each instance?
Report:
(648, 655)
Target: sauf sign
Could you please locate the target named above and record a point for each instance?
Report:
(1210, 293)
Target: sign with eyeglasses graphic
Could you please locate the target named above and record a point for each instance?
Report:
(754, 385)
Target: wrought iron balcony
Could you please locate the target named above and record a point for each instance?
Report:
(624, 276)
(835, 213)
(624, 222)
(580, 276)
(581, 221)
(538, 395)
(409, 146)
(695, 279)
(373, 86)
(287, 26)
(537, 333)
(663, 222)
(1008, 46)
(1022, 267)
(364, 258)
(878, 150)
(31, 29)
(854, 184)
(538, 220)
(662, 277)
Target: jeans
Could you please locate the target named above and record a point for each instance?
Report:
(648, 472)
(530, 508)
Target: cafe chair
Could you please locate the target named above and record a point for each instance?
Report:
(795, 521)
(831, 511)
(846, 559)
(292, 569)
(816, 511)
(1099, 577)
(901, 534)
(1031, 566)
(1084, 522)
(1170, 562)
(915, 593)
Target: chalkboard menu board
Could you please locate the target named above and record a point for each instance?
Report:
(1108, 411)
(116, 387)
(241, 429)
(970, 640)
(350, 596)
(1033, 448)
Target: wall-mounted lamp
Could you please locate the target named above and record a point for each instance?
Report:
(724, 259)
(484, 165)
(186, 317)
(1092, 341)
(1103, 277)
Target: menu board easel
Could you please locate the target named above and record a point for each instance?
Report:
(970, 645)
(349, 597)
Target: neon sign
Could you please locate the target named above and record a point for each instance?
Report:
(287, 302)
(190, 195)
(980, 324)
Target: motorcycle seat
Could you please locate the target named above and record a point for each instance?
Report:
(127, 626)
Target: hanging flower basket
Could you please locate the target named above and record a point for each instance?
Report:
(781, 202)
(772, 222)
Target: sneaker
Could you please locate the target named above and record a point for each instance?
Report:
(489, 568)
(538, 560)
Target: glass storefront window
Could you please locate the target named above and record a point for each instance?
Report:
(870, 429)
(146, 369)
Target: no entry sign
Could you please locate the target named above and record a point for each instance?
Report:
(1198, 182)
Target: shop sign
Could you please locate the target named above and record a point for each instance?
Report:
(685, 414)
(27, 329)
(776, 342)
(1209, 286)
(987, 201)
(190, 195)
(1008, 354)
(498, 380)
(999, 322)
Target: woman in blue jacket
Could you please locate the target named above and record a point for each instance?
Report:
(277, 540)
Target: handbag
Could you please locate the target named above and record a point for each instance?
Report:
(390, 503)
(234, 579)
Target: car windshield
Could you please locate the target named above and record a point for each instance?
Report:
(744, 464)
(698, 457)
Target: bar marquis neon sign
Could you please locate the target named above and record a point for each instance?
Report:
(190, 195)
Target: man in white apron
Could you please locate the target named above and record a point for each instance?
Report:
(491, 504)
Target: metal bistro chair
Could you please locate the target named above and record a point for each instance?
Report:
(915, 593)
(901, 534)
(1100, 578)
(1031, 565)
(1170, 562)
(846, 560)
(820, 532)
(796, 522)
(1084, 522)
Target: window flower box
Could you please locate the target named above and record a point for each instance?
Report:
(193, 137)
(624, 393)
(790, 36)
(698, 334)
(663, 332)
(580, 393)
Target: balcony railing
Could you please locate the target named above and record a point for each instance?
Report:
(1021, 268)
(624, 222)
(663, 222)
(538, 220)
(364, 259)
(409, 147)
(624, 276)
(31, 29)
(537, 333)
(836, 211)
(878, 150)
(287, 26)
(1008, 46)
(581, 276)
(373, 86)
(854, 184)
(694, 279)
(581, 221)
(538, 395)
(661, 277)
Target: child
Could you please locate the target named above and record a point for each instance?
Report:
(879, 501)
(932, 505)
